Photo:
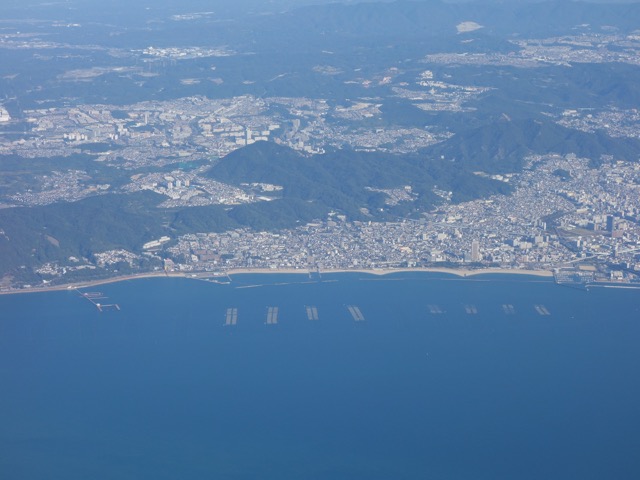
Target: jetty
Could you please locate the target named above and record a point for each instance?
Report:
(315, 274)
(272, 315)
(93, 297)
(355, 313)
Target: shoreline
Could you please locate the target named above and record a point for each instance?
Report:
(462, 273)
(459, 272)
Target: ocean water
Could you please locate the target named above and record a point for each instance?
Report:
(446, 378)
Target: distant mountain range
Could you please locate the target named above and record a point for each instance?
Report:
(401, 19)
(501, 146)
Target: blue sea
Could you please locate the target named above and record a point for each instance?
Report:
(490, 377)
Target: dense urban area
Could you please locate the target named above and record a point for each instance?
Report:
(596, 217)
(578, 217)
(563, 215)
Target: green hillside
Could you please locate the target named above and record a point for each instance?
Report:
(501, 146)
(337, 180)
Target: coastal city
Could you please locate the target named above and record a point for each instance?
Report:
(577, 217)
(564, 214)
(563, 217)
(319, 239)
(550, 222)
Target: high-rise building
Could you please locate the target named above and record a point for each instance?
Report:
(475, 251)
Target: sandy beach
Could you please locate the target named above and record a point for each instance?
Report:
(451, 271)
(261, 271)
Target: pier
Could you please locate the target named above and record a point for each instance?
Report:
(94, 296)
(231, 317)
(272, 315)
(315, 274)
(355, 313)
(312, 312)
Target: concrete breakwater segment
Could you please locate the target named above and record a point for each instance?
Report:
(542, 310)
(355, 313)
(231, 317)
(470, 309)
(272, 315)
(312, 312)
(435, 309)
(508, 309)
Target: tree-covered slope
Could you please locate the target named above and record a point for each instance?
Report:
(339, 179)
(502, 146)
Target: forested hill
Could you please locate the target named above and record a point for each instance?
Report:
(338, 179)
(503, 145)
